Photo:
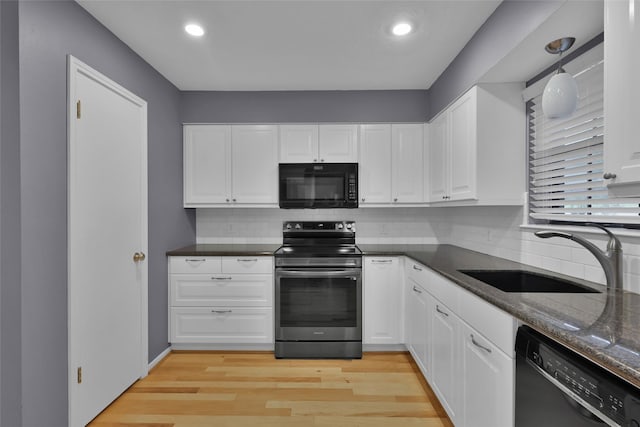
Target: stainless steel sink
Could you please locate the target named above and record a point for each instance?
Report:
(526, 281)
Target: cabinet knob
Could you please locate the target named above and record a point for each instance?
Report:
(315, 160)
(322, 160)
(227, 200)
(234, 200)
(395, 200)
(363, 199)
(609, 175)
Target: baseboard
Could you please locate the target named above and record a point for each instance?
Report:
(159, 358)
(221, 347)
(383, 347)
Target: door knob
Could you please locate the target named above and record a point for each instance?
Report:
(139, 256)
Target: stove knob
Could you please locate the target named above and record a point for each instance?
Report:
(340, 226)
(298, 226)
(288, 226)
(349, 225)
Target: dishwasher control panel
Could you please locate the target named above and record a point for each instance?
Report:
(606, 394)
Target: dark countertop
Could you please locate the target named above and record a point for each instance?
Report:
(226, 249)
(604, 327)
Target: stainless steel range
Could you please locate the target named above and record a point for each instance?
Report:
(318, 291)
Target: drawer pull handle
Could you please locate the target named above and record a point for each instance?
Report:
(221, 278)
(440, 311)
(247, 259)
(195, 260)
(381, 261)
(477, 344)
(415, 267)
(222, 311)
(417, 290)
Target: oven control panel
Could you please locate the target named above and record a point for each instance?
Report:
(319, 226)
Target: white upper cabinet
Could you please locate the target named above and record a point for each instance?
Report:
(407, 142)
(318, 143)
(230, 165)
(476, 148)
(254, 165)
(375, 164)
(391, 164)
(298, 143)
(207, 173)
(621, 94)
(338, 143)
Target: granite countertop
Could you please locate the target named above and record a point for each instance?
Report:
(226, 249)
(604, 327)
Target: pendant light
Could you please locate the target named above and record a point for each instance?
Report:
(560, 96)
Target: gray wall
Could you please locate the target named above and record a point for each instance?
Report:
(511, 22)
(49, 30)
(10, 308)
(305, 106)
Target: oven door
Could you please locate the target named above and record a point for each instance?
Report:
(318, 304)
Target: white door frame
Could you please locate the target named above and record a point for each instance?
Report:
(76, 67)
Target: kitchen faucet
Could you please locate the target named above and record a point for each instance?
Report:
(611, 260)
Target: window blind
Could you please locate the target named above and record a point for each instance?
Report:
(566, 160)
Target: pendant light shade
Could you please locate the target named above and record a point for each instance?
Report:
(560, 96)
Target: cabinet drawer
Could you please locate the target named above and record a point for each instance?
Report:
(228, 290)
(417, 272)
(221, 325)
(195, 264)
(496, 325)
(248, 265)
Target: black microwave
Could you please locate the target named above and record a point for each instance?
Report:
(318, 185)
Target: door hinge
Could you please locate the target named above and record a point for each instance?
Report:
(78, 109)
(79, 374)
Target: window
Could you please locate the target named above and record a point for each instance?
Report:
(566, 155)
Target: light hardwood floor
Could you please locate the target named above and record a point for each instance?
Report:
(229, 389)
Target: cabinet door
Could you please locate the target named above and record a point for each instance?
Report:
(254, 160)
(418, 326)
(375, 164)
(338, 143)
(446, 358)
(406, 163)
(621, 94)
(438, 159)
(462, 140)
(207, 175)
(298, 143)
(382, 301)
(488, 382)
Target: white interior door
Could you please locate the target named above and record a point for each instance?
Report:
(107, 225)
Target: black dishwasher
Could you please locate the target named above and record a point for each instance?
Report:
(557, 387)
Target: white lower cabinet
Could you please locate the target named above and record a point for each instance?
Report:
(487, 382)
(464, 347)
(445, 359)
(383, 305)
(418, 325)
(221, 300)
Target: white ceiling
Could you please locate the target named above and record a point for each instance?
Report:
(582, 19)
(295, 44)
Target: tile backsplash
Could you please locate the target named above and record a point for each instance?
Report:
(492, 230)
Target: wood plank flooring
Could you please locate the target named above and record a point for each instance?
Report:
(235, 389)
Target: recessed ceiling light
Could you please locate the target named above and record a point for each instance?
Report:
(401, 29)
(194, 30)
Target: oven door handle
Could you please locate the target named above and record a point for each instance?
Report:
(347, 274)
